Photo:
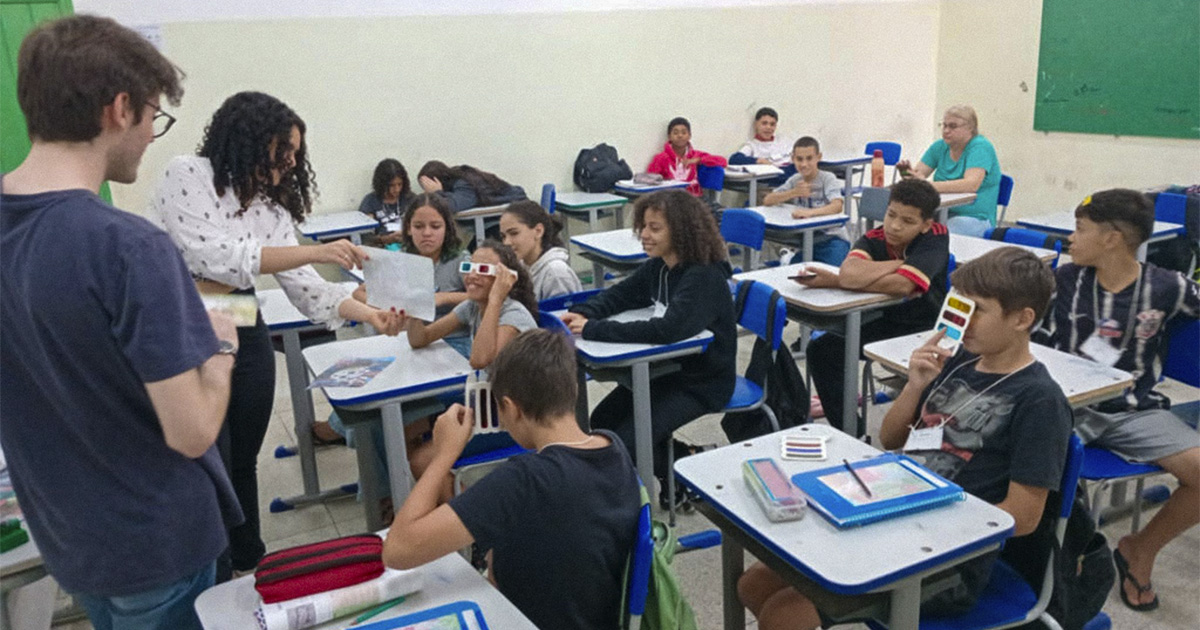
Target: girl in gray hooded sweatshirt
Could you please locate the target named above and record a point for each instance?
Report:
(533, 234)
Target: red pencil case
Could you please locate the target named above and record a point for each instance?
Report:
(319, 567)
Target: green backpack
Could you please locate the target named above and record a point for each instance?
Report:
(666, 608)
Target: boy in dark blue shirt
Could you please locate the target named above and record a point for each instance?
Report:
(560, 521)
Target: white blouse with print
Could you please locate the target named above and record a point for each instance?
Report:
(218, 243)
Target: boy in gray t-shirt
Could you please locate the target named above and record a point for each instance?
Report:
(816, 193)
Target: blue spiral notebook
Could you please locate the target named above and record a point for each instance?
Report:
(462, 615)
(898, 486)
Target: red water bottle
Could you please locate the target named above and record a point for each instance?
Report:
(877, 169)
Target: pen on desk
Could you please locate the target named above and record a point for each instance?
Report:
(376, 610)
(856, 477)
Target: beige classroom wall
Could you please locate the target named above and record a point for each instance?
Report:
(520, 95)
(988, 58)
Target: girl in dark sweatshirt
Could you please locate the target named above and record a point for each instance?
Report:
(686, 281)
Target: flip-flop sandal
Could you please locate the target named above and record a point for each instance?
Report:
(1123, 574)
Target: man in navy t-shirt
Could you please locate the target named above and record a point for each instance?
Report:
(115, 379)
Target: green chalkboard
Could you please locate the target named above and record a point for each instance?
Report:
(1121, 67)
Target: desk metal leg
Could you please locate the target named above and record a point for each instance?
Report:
(905, 610)
(753, 201)
(479, 236)
(643, 436)
(593, 217)
(943, 214)
(850, 374)
(356, 238)
(597, 275)
(619, 213)
(733, 562)
(397, 454)
(368, 475)
(807, 246)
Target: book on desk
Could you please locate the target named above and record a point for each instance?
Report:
(461, 615)
(899, 485)
(755, 169)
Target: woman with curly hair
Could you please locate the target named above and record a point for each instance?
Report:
(686, 281)
(390, 194)
(231, 210)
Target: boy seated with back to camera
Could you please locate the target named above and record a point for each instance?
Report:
(987, 417)
(560, 522)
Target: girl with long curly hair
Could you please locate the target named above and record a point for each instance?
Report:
(686, 282)
(232, 210)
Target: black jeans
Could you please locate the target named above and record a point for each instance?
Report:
(826, 355)
(250, 400)
(671, 408)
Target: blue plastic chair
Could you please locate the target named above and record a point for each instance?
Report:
(548, 196)
(746, 228)
(710, 177)
(872, 207)
(560, 302)
(1008, 600)
(1108, 469)
(1171, 208)
(1032, 238)
(547, 321)
(757, 317)
(1006, 187)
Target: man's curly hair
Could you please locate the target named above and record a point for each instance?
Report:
(695, 237)
(237, 141)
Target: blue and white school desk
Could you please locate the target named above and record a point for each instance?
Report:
(1083, 382)
(627, 188)
(409, 385)
(782, 227)
(948, 200)
(283, 319)
(967, 248)
(478, 217)
(1063, 223)
(601, 357)
(354, 224)
(619, 250)
(889, 556)
(733, 175)
(579, 204)
(844, 165)
(837, 310)
(231, 606)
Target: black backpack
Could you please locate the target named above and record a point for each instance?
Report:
(598, 168)
(787, 395)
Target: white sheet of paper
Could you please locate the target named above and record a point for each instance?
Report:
(401, 281)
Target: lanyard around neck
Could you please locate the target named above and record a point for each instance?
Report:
(946, 416)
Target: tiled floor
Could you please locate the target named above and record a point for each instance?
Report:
(1176, 577)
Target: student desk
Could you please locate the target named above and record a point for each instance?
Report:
(592, 204)
(949, 200)
(844, 166)
(751, 179)
(1063, 223)
(967, 248)
(619, 250)
(351, 223)
(478, 217)
(627, 188)
(285, 320)
(410, 384)
(231, 606)
(33, 605)
(21, 565)
(887, 556)
(1084, 382)
(605, 360)
(837, 310)
(781, 227)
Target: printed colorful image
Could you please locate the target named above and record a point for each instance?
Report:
(886, 481)
(351, 372)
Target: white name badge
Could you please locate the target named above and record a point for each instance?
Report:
(660, 309)
(929, 439)
(1100, 351)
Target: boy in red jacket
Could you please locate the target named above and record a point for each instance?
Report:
(678, 159)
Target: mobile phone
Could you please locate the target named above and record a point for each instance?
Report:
(954, 318)
(803, 273)
(778, 498)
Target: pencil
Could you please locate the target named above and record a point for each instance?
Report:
(856, 477)
(376, 610)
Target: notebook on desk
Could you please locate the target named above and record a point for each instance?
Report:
(898, 486)
(756, 169)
